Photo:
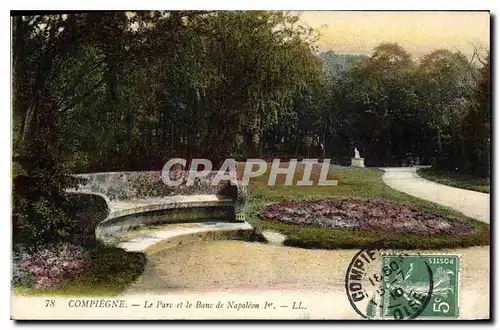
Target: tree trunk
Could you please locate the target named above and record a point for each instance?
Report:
(440, 145)
(247, 142)
(261, 145)
(323, 147)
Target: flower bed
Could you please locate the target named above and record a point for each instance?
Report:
(50, 266)
(382, 216)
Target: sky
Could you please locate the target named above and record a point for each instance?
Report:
(417, 32)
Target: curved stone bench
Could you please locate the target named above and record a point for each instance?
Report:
(141, 199)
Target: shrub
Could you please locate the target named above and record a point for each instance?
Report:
(41, 212)
(20, 273)
(39, 222)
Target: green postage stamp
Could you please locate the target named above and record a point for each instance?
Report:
(420, 286)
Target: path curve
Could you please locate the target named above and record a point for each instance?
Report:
(470, 203)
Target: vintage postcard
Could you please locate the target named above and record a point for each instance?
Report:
(259, 165)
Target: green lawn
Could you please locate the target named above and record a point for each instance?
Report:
(458, 180)
(361, 183)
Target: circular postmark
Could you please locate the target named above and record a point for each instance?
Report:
(388, 286)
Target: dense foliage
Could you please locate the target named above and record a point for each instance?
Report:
(127, 91)
(401, 112)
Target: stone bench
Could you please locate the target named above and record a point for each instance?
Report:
(139, 199)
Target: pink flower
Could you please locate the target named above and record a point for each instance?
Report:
(50, 266)
(55, 272)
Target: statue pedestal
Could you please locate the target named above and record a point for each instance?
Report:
(358, 162)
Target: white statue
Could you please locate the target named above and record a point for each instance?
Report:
(357, 161)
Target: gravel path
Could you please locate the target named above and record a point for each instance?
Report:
(470, 203)
(261, 270)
